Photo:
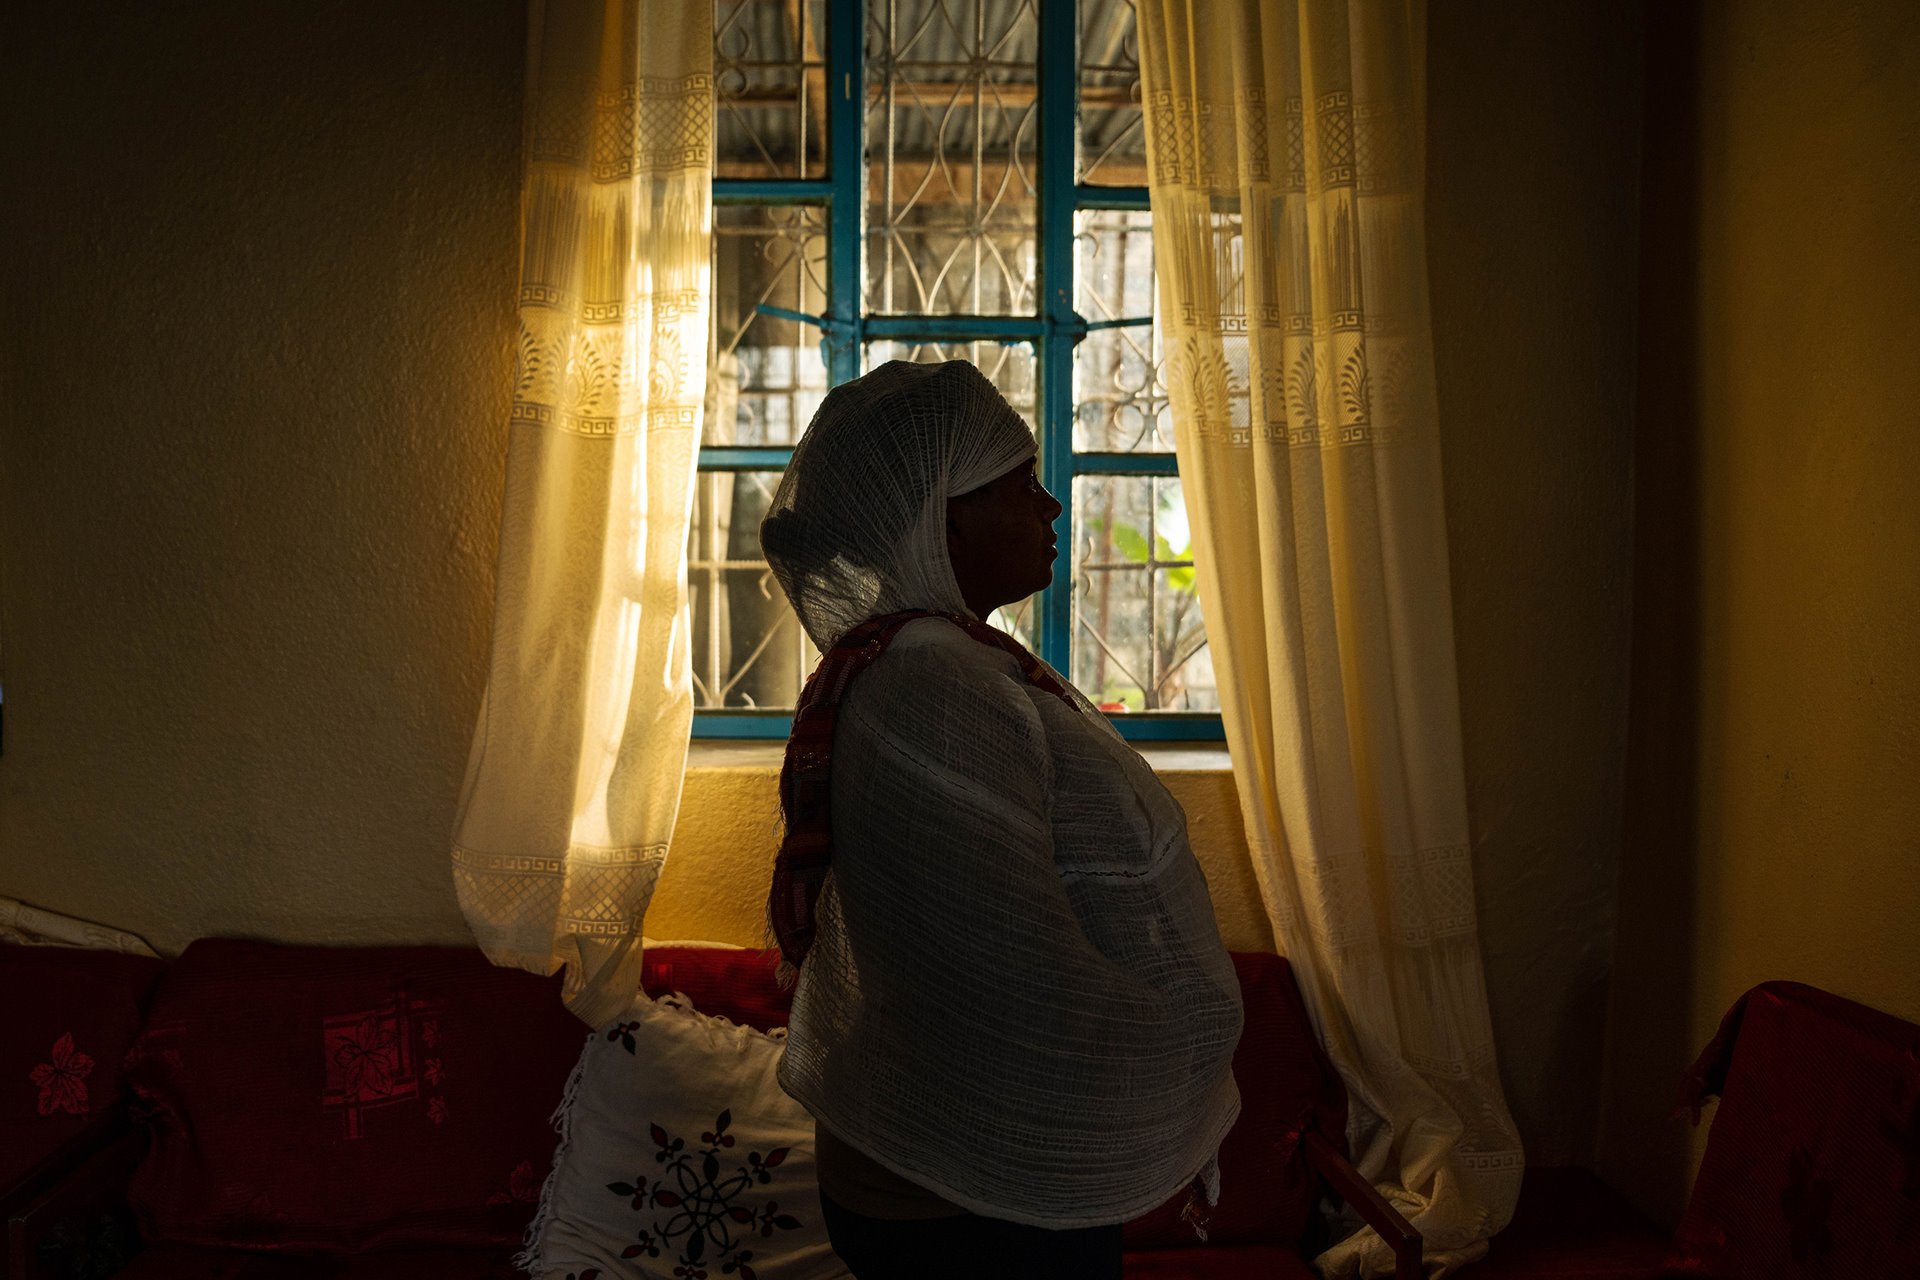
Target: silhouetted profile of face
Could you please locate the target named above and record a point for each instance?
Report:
(1000, 539)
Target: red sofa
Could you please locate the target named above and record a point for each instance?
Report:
(383, 1112)
(375, 1112)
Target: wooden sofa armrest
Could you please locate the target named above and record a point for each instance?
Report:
(85, 1206)
(1408, 1247)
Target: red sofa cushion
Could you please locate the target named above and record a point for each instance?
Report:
(70, 1015)
(320, 1100)
(1267, 1193)
(722, 982)
(1813, 1162)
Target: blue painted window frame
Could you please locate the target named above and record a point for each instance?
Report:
(1053, 332)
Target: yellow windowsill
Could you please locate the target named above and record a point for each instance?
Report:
(760, 756)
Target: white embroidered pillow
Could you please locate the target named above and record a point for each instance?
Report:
(680, 1155)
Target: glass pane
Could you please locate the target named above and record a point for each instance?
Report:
(1010, 367)
(1017, 619)
(770, 88)
(952, 116)
(748, 649)
(766, 375)
(1119, 375)
(1113, 137)
(1139, 642)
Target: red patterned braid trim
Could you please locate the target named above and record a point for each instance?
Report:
(806, 850)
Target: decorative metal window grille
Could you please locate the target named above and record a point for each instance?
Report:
(926, 180)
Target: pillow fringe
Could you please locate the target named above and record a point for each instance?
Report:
(529, 1257)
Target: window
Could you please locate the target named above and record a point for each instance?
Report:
(924, 180)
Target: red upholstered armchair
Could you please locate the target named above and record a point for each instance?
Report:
(1812, 1167)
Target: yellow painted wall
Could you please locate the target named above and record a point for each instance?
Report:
(258, 285)
(715, 882)
(1774, 781)
(259, 268)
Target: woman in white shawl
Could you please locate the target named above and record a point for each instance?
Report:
(1015, 1017)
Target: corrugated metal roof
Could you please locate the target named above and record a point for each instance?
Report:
(952, 74)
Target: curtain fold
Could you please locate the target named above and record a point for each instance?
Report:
(1285, 152)
(574, 778)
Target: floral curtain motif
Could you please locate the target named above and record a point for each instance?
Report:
(574, 779)
(1286, 169)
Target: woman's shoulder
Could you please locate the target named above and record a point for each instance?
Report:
(933, 678)
(936, 648)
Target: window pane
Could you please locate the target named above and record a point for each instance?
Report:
(1010, 367)
(770, 88)
(1139, 642)
(748, 649)
(1113, 137)
(766, 375)
(1017, 619)
(1119, 375)
(952, 116)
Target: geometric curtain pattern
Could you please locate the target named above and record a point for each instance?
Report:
(574, 778)
(1285, 164)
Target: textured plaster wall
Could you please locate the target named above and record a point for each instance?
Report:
(257, 348)
(1533, 122)
(715, 882)
(1773, 821)
(259, 277)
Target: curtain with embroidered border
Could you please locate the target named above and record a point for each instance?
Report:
(1285, 150)
(575, 774)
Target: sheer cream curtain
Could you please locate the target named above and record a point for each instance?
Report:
(1285, 158)
(574, 779)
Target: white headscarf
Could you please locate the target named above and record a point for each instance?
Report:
(1017, 996)
(857, 527)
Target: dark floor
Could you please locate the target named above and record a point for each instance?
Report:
(1571, 1226)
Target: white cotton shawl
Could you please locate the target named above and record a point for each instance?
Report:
(1017, 996)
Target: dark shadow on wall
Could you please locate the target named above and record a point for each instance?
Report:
(1644, 1148)
(1532, 162)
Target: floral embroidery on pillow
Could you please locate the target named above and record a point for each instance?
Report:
(623, 1032)
(63, 1081)
(706, 1218)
